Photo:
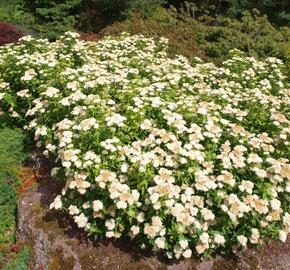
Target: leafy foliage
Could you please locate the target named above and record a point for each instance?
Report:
(181, 36)
(49, 19)
(277, 10)
(97, 14)
(208, 37)
(53, 18)
(180, 156)
(253, 34)
(13, 11)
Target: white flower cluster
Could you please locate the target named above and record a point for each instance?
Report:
(184, 158)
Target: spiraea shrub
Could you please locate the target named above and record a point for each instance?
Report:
(183, 157)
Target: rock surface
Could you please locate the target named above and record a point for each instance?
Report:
(57, 244)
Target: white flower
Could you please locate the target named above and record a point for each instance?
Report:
(160, 242)
(41, 131)
(282, 236)
(23, 93)
(146, 124)
(116, 119)
(72, 85)
(110, 234)
(124, 168)
(246, 186)
(81, 220)
(3, 85)
(51, 92)
(207, 214)
(28, 75)
(242, 240)
(104, 177)
(121, 205)
(56, 204)
(219, 239)
(73, 210)
(254, 158)
(187, 253)
(54, 171)
(135, 230)
(65, 101)
(86, 205)
(89, 123)
(260, 172)
(169, 254)
(140, 217)
(201, 247)
(97, 205)
(110, 224)
(275, 204)
(204, 238)
(154, 198)
(227, 178)
(183, 243)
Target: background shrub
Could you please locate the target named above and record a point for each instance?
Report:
(53, 18)
(208, 37)
(253, 34)
(12, 11)
(277, 10)
(49, 19)
(8, 34)
(97, 14)
(161, 23)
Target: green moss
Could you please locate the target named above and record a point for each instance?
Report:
(137, 267)
(19, 260)
(59, 261)
(222, 264)
(86, 261)
(69, 242)
(47, 221)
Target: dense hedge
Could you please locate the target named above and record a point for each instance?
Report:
(49, 19)
(208, 37)
(277, 10)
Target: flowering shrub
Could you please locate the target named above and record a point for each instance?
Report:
(178, 156)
